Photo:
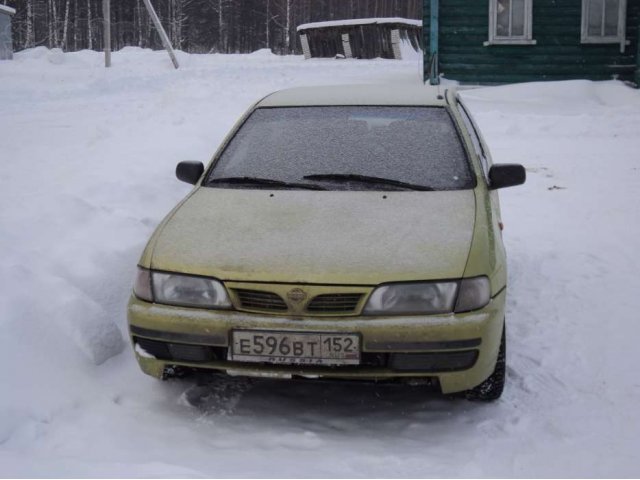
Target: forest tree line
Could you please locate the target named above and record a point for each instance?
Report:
(198, 26)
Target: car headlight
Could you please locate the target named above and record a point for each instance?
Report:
(425, 298)
(474, 294)
(412, 298)
(142, 285)
(181, 290)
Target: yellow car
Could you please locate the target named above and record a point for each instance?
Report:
(348, 232)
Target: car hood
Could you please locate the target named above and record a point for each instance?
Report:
(325, 237)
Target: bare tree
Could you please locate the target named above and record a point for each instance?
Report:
(30, 34)
(89, 26)
(193, 25)
(287, 28)
(220, 8)
(65, 26)
(267, 22)
(76, 26)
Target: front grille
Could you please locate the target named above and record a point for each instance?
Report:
(259, 300)
(335, 303)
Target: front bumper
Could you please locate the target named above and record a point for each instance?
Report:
(459, 350)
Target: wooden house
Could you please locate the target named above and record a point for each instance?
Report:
(503, 41)
(361, 38)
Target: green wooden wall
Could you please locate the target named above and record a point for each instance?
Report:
(558, 54)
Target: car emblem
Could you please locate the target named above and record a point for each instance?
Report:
(296, 295)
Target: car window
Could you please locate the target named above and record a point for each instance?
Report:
(416, 145)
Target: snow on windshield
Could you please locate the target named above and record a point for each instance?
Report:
(417, 145)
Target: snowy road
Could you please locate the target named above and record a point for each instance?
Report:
(86, 172)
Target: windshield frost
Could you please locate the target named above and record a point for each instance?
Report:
(417, 145)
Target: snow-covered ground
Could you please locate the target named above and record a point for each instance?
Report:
(87, 162)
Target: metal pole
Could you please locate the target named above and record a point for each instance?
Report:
(434, 77)
(106, 13)
(163, 35)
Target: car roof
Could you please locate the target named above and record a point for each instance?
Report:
(380, 94)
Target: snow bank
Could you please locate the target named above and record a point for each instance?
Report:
(87, 171)
(407, 52)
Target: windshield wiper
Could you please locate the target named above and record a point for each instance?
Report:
(262, 182)
(352, 177)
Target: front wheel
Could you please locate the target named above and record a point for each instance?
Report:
(491, 389)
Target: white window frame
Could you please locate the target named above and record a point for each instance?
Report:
(526, 39)
(620, 36)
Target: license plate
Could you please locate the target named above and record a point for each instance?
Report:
(295, 348)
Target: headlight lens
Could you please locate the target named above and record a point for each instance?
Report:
(412, 299)
(475, 293)
(181, 290)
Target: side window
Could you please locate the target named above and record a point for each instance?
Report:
(604, 21)
(510, 22)
(477, 145)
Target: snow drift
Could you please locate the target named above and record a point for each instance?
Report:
(86, 172)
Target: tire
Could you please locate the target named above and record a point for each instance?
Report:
(491, 389)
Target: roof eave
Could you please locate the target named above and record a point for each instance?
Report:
(7, 10)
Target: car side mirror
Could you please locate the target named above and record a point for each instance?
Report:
(189, 172)
(504, 175)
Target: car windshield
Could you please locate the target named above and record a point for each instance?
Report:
(345, 148)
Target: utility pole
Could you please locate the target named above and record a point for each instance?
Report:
(163, 35)
(106, 13)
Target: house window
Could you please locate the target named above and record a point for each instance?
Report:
(604, 21)
(510, 22)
